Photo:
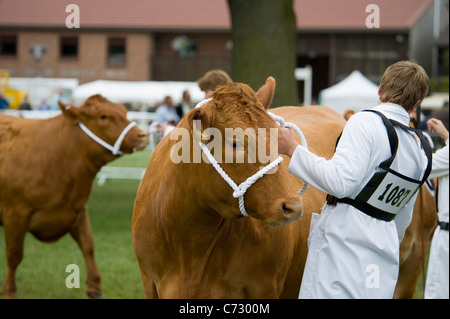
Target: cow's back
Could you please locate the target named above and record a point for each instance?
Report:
(40, 169)
(15, 140)
(25, 146)
(10, 129)
(17, 135)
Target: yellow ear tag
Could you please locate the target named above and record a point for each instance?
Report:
(205, 136)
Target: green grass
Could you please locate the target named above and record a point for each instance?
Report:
(138, 159)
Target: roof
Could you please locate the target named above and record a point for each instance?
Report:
(351, 14)
(203, 14)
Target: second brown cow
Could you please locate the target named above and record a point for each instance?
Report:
(47, 168)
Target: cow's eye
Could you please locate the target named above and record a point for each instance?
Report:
(103, 117)
(237, 144)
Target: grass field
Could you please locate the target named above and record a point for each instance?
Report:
(42, 275)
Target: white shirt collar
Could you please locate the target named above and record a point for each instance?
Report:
(394, 111)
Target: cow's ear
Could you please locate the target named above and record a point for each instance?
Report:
(199, 120)
(266, 92)
(69, 111)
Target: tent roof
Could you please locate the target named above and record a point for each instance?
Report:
(355, 92)
(146, 92)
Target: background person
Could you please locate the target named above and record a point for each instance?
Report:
(442, 114)
(185, 105)
(166, 113)
(437, 284)
(208, 83)
(4, 104)
(25, 105)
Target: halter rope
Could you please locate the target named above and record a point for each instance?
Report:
(300, 134)
(239, 190)
(115, 150)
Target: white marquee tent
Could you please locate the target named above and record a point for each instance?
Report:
(355, 92)
(145, 92)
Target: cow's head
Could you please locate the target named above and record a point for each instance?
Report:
(244, 141)
(107, 121)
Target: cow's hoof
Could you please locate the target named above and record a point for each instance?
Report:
(94, 295)
(8, 294)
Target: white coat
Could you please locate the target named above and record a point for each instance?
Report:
(437, 284)
(353, 255)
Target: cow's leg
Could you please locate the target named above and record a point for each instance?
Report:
(81, 232)
(15, 230)
(149, 287)
(408, 274)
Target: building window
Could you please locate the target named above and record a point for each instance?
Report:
(116, 51)
(68, 47)
(8, 45)
(184, 46)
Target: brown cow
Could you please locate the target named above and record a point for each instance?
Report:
(188, 233)
(415, 245)
(46, 172)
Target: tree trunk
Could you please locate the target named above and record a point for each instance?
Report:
(264, 38)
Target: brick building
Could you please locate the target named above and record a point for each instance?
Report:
(85, 55)
(182, 39)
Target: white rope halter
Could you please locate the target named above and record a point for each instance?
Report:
(114, 149)
(239, 191)
(199, 104)
(300, 134)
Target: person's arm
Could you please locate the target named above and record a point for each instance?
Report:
(440, 165)
(342, 175)
(440, 157)
(437, 126)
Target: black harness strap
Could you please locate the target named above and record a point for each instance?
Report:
(443, 225)
(360, 201)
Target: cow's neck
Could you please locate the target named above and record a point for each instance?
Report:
(197, 228)
(192, 225)
(86, 156)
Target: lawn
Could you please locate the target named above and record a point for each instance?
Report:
(42, 273)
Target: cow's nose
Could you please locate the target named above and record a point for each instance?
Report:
(292, 209)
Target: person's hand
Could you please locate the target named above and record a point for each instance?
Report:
(161, 128)
(435, 125)
(286, 142)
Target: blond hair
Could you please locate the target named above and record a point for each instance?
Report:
(404, 83)
(213, 79)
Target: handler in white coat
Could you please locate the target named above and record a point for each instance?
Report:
(437, 285)
(352, 254)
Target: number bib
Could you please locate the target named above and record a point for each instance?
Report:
(388, 192)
